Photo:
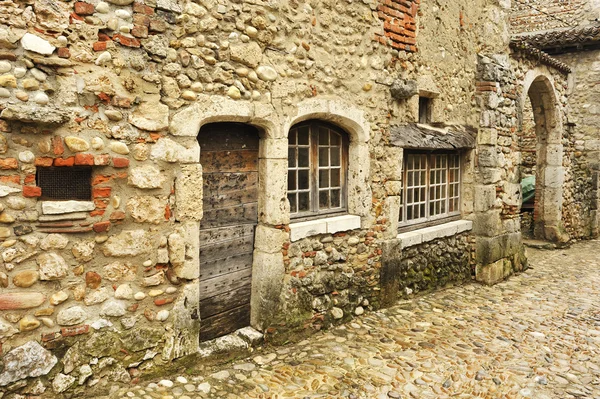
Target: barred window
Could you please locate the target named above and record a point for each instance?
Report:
(431, 187)
(317, 165)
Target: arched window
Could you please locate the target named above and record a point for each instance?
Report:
(317, 169)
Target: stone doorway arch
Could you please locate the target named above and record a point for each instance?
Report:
(538, 88)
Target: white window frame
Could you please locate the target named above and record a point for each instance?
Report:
(424, 198)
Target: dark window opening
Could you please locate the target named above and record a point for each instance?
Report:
(65, 183)
(425, 109)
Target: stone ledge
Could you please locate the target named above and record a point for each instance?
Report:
(328, 225)
(427, 234)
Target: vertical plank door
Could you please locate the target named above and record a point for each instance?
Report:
(229, 158)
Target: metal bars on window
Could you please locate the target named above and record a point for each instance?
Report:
(317, 164)
(431, 187)
(65, 183)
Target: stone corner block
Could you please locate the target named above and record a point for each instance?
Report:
(188, 193)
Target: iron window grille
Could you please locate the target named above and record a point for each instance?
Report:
(65, 183)
(432, 184)
(317, 169)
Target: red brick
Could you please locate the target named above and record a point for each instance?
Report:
(117, 216)
(11, 179)
(72, 331)
(64, 52)
(99, 46)
(83, 8)
(75, 17)
(101, 203)
(102, 160)
(32, 191)
(70, 161)
(103, 37)
(84, 159)
(9, 163)
(163, 301)
(120, 162)
(142, 8)
(58, 146)
(101, 192)
(29, 179)
(44, 161)
(126, 40)
(139, 31)
(101, 227)
(97, 212)
(99, 179)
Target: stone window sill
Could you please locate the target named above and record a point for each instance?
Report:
(427, 234)
(60, 207)
(328, 225)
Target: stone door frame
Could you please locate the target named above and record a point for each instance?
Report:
(538, 87)
(271, 234)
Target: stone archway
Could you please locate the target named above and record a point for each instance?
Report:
(538, 88)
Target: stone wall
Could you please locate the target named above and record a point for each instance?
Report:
(583, 117)
(101, 290)
(426, 266)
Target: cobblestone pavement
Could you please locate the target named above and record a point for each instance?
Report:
(536, 335)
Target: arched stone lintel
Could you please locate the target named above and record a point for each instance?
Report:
(353, 121)
(542, 82)
(188, 121)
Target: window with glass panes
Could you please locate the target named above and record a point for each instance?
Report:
(317, 164)
(431, 186)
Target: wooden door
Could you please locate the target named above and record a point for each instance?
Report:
(229, 158)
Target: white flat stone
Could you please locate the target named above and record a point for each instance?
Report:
(60, 207)
(5, 190)
(306, 229)
(36, 44)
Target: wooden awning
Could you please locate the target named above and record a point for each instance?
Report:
(417, 136)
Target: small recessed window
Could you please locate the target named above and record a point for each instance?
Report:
(65, 183)
(425, 105)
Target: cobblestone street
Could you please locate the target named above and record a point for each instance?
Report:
(536, 335)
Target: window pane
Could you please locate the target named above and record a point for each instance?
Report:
(291, 157)
(335, 156)
(334, 138)
(292, 136)
(292, 199)
(324, 178)
(335, 177)
(303, 183)
(303, 135)
(335, 198)
(292, 180)
(303, 202)
(323, 136)
(323, 156)
(303, 157)
(324, 199)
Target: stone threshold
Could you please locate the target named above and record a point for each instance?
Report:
(329, 225)
(240, 340)
(420, 236)
(539, 244)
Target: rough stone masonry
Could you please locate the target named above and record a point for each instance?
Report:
(101, 103)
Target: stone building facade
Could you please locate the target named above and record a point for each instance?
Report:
(173, 169)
